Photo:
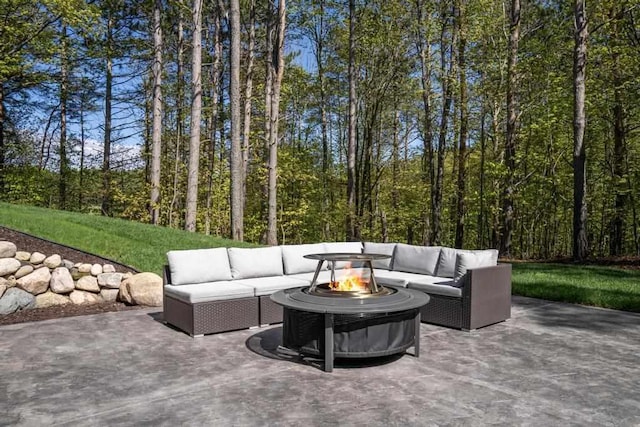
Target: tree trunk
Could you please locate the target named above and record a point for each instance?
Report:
(395, 160)
(106, 160)
(176, 192)
(2, 155)
(483, 144)
(580, 244)
(216, 90)
(156, 133)
(196, 114)
(616, 241)
(237, 203)
(351, 144)
(447, 83)
(464, 129)
(248, 93)
(510, 141)
(277, 72)
(64, 161)
(82, 152)
(326, 151)
(427, 124)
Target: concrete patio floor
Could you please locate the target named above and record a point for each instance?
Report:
(550, 364)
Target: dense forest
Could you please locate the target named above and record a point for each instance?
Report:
(488, 123)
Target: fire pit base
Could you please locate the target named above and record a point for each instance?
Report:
(354, 335)
(351, 327)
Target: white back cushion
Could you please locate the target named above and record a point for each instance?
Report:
(416, 259)
(198, 266)
(343, 247)
(474, 259)
(255, 262)
(380, 248)
(447, 262)
(294, 261)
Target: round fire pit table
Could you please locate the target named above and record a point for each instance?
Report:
(377, 326)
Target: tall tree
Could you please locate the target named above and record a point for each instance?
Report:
(216, 90)
(581, 33)
(447, 76)
(196, 114)
(511, 134)
(64, 97)
(427, 169)
(351, 225)
(108, 97)
(276, 72)
(463, 122)
(156, 135)
(248, 93)
(237, 203)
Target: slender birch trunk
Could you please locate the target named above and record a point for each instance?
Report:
(64, 161)
(248, 93)
(106, 159)
(237, 203)
(511, 136)
(351, 142)
(156, 133)
(581, 33)
(277, 71)
(196, 114)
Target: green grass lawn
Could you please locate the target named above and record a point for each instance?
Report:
(139, 245)
(582, 284)
(144, 247)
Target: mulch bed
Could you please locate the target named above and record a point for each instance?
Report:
(29, 243)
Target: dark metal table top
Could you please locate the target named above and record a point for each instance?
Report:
(402, 299)
(346, 256)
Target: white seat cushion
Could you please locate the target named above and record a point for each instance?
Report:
(444, 289)
(416, 259)
(380, 248)
(255, 262)
(198, 266)
(395, 278)
(269, 285)
(294, 260)
(212, 291)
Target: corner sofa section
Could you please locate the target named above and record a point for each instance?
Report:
(215, 290)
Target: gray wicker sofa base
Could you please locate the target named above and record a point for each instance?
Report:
(485, 300)
(215, 290)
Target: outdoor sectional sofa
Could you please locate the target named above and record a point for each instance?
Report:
(215, 290)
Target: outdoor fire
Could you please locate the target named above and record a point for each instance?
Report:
(351, 281)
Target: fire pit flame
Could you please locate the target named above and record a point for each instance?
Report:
(350, 282)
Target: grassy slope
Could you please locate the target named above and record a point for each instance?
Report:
(144, 247)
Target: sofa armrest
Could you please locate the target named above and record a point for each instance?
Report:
(486, 296)
(166, 275)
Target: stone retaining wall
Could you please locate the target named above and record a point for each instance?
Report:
(34, 280)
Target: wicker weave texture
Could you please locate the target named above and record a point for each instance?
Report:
(212, 317)
(443, 310)
(270, 312)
